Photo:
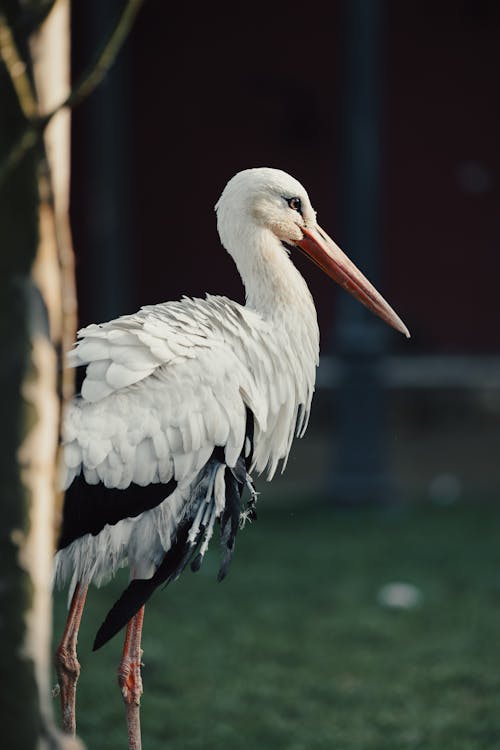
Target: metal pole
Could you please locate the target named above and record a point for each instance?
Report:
(360, 476)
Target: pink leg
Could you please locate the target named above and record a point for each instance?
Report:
(129, 679)
(66, 661)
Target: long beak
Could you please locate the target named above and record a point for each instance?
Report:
(330, 258)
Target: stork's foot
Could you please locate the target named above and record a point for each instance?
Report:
(68, 672)
(130, 679)
(66, 661)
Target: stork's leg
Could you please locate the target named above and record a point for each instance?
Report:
(129, 679)
(66, 661)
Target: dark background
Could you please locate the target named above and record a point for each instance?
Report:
(205, 91)
(408, 155)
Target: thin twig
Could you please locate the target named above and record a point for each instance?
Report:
(93, 76)
(23, 144)
(88, 82)
(17, 71)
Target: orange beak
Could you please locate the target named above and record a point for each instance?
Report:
(321, 249)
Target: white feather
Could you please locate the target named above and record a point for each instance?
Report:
(166, 385)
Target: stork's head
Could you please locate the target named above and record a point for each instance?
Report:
(271, 201)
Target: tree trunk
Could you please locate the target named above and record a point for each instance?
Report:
(37, 313)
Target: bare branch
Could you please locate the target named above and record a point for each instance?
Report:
(27, 139)
(84, 87)
(16, 69)
(96, 72)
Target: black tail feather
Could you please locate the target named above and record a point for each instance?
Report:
(249, 434)
(135, 595)
(140, 589)
(182, 551)
(196, 563)
(230, 521)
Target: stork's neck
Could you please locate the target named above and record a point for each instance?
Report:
(274, 287)
(278, 293)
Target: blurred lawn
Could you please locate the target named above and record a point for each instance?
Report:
(293, 651)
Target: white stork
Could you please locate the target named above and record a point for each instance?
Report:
(181, 403)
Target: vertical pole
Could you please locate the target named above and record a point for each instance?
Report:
(104, 217)
(359, 338)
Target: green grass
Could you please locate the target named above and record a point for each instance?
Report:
(293, 652)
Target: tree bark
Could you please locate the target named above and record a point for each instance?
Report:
(35, 316)
(37, 324)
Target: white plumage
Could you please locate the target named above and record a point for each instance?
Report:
(165, 386)
(180, 404)
(159, 391)
(168, 385)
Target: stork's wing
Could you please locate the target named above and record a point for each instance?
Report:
(172, 397)
(162, 389)
(167, 385)
(127, 350)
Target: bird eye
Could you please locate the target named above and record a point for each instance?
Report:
(295, 203)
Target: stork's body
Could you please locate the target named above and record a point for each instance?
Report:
(184, 401)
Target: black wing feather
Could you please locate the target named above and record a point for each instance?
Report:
(182, 550)
(230, 521)
(140, 589)
(88, 508)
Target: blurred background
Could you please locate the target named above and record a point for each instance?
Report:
(389, 114)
